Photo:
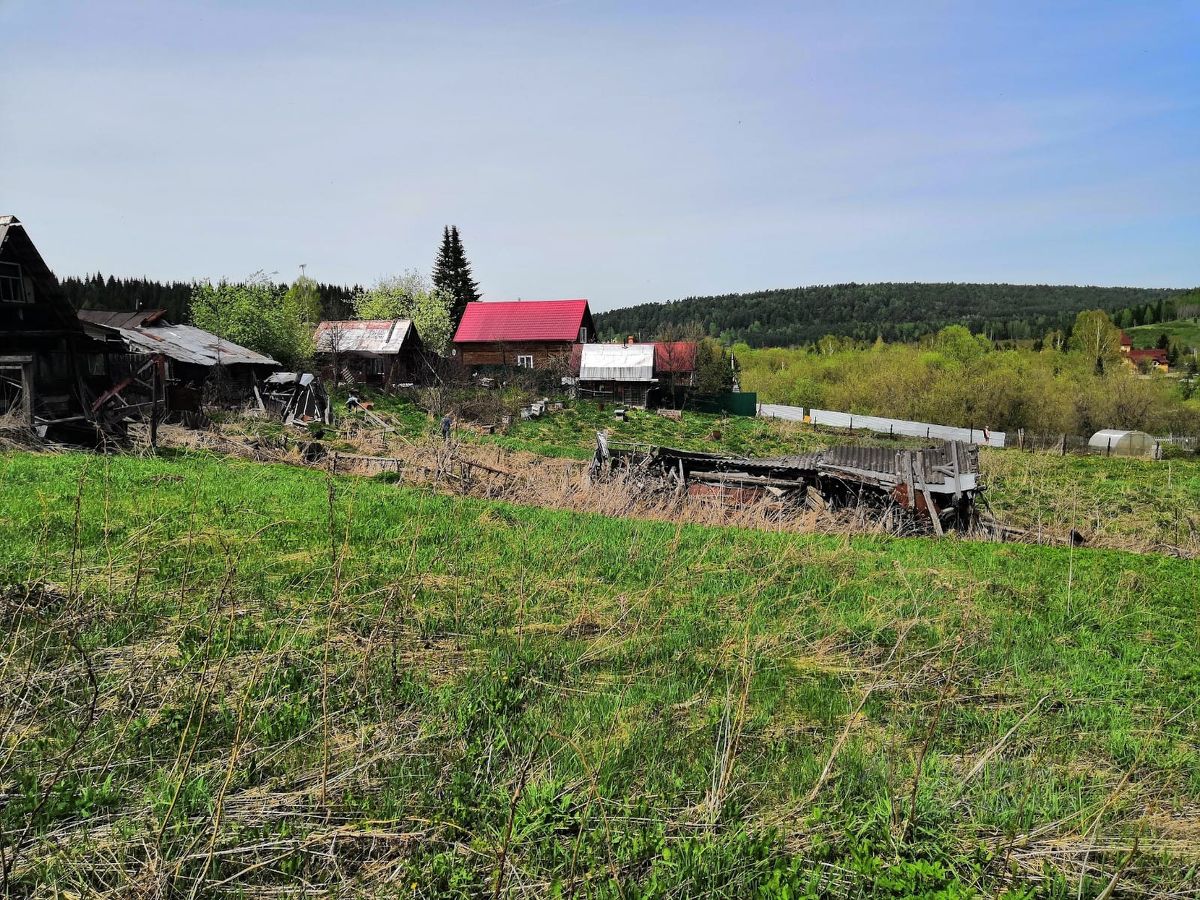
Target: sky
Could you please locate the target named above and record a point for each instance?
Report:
(623, 152)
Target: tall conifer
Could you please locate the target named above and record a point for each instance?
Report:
(452, 273)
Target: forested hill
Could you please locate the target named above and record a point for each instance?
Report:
(793, 316)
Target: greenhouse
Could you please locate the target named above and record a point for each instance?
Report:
(1115, 442)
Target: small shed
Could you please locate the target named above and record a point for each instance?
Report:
(371, 351)
(621, 372)
(1115, 442)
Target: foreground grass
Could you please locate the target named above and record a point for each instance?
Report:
(252, 677)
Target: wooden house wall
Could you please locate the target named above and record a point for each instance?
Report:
(546, 354)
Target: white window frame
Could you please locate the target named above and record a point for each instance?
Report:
(525, 361)
(583, 335)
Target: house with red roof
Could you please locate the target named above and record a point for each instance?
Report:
(523, 334)
(1149, 359)
(1144, 359)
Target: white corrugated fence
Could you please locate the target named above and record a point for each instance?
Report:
(881, 425)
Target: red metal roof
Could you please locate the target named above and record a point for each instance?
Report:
(1157, 355)
(522, 320)
(675, 356)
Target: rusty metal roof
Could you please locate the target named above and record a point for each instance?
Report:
(183, 343)
(369, 337)
(121, 318)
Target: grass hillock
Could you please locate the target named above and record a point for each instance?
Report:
(223, 677)
(1186, 332)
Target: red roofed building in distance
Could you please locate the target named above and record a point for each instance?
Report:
(675, 362)
(522, 334)
(1144, 359)
(1149, 359)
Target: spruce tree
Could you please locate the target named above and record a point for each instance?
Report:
(452, 273)
(443, 266)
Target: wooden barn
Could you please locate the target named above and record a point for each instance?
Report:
(43, 349)
(523, 334)
(382, 352)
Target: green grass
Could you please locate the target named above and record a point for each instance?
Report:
(251, 678)
(1186, 331)
(571, 432)
(1144, 503)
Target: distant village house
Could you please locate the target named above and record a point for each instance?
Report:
(523, 334)
(634, 373)
(381, 352)
(1154, 358)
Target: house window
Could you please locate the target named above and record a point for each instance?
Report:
(524, 362)
(583, 335)
(12, 287)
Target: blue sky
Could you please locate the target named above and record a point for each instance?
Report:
(618, 151)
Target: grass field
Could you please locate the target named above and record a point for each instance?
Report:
(1124, 503)
(1186, 331)
(224, 678)
(1139, 503)
(571, 432)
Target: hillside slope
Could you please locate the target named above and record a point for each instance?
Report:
(1184, 332)
(897, 311)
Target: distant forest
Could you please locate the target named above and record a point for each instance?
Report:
(778, 318)
(100, 292)
(896, 312)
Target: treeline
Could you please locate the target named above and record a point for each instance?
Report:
(100, 292)
(897, 312)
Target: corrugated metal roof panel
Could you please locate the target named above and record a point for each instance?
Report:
(617, 362)
(382, 337)
(121, 318)
(187, 344)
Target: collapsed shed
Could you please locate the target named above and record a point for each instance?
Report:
(295, 397)
(375, 351)
(937, 485)
(185, 359)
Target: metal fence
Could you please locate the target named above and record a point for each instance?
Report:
(881, 425)
(1021, 439)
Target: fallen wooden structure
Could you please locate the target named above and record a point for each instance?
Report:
(937, 486)
(297, 398)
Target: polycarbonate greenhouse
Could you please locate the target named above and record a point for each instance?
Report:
(1114, 442)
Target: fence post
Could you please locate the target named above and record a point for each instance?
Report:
(1109, 451)
(1062, 447)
